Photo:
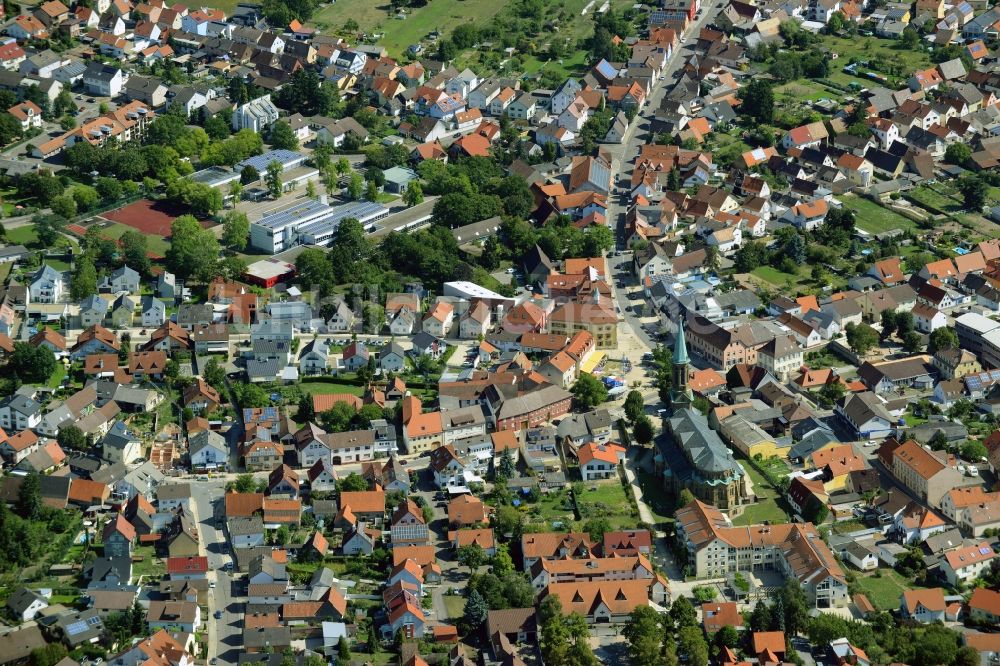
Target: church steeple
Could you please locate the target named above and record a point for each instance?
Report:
(680, 394)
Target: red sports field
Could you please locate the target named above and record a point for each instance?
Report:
(149, 217)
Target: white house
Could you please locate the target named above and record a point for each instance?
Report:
(600, 461)
(208, 450)
(256, 114)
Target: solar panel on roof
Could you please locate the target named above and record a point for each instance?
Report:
(973, 383)
(995, 375)
(77, 627)
(984, 550)
(758, 153)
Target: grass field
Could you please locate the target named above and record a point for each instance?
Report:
(606, 499)
(766, 507)
(925, 195)
(324, 388)
(873, 50)
(883, 591)
(774, 276)
(874, 218)
(23, 236)
(156, 244)
(372, 16)
(57, 376)
(455, 605)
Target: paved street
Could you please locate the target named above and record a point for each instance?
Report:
(225, 633)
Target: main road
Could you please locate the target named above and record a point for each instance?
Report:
(623, 163)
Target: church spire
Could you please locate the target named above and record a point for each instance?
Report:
(680, 347)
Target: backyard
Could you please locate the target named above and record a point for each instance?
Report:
(766, 507)
(606, 499)
(873, 218)
(883, 589)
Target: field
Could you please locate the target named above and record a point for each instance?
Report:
(22, 236)
(606, 499)
(883, 591)
(774, 276)
(873, 50)
(440, 15)
(158, 245)
(766, 507)
(874, 218)
(455, 605)
(327, 388)
(147, 216)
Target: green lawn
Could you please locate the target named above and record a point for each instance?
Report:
(766, 507)
(156, 244)
(327, 388)
(874, 50)
(550, 508)
(22, 235)
(657, 499)
(151, 566)
(885, 590)
(57, 376)
(874, 218)
(926, 196)
(455, 605)
(441, 15)
(607, 501)
(774, 276)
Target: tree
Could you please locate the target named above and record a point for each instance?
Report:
(861, 338)
(974, 451)
(371, 190)
(635, 405)
(505, 468)
(283, 137)
(912, 342)
(29, 497)
(942, 338)
(245, 483)
(502, 564)
(758, 101)
(728, 637)
(343, 650)
(84, 280)
(64, 206)
(282, 535)
(272, 179)
(414, 194)
(958, 153)
(235, 230)
(795, 605)
(353, 482)
(236, 191)
(974, 191)
(760, 617)
(682, 613)
(355, 186)
(645, 636)
(936, 645)
(193, 251)
(643, 431)
(30, 364)
(49, 655)
(135, 250)
(475, 610)
(589, 391)
(71, 437)
(305, 413)
(472, 556)
(596, 528)
(888, 323)
(249, 175)
(910, 38)
(691, 641)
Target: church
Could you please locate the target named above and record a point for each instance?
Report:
(692, 456)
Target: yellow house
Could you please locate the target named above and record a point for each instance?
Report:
(837, 462)
(955, 363)
(750, 439)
